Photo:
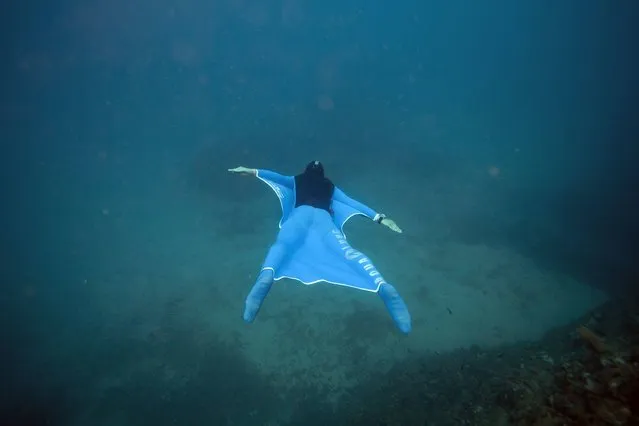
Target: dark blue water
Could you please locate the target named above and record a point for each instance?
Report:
(119, 120)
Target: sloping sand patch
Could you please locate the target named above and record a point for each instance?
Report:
(459, 296)
(485, 296)
(328, 337)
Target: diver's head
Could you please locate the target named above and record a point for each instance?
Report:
(315, 168)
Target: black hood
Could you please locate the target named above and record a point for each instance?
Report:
(315, 169)
(312, 188)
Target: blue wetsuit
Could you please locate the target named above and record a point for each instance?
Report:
(311, 247)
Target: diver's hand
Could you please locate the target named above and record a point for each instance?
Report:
(244, 171)
(390, 223)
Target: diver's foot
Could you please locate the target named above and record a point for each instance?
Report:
(257, 295)
(396, 307)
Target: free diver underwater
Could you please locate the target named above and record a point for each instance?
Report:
(311, 246)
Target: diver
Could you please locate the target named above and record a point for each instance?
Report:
(311, 246)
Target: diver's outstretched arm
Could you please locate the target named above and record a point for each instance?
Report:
(390, 223)
(288, 181)
(341, 196)
(244, 171)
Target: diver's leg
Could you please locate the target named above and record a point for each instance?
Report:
(364, 267)
(292, 232)
(396, 307)
(257, 295)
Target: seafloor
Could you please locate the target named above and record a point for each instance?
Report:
(585, 373)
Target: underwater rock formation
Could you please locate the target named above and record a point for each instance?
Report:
(598, 384)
